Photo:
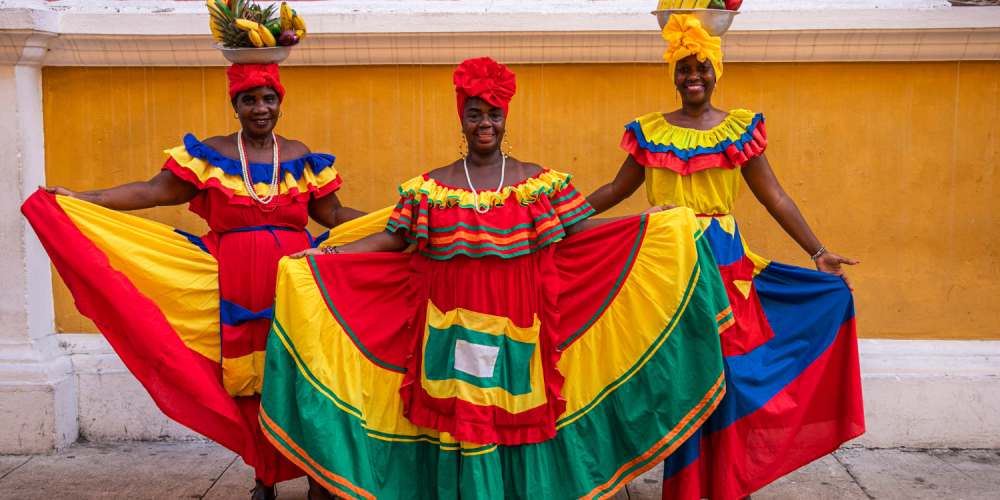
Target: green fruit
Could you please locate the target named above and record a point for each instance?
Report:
(717, 4)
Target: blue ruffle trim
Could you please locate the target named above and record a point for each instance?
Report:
(687, 154)
(259, 172)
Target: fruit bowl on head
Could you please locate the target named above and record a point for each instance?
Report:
(255, 55)
(715, 21)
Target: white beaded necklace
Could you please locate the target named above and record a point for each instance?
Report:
(273, 189)
(475, 195)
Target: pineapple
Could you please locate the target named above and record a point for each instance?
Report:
(224, 20)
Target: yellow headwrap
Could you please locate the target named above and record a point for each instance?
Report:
(686, 38)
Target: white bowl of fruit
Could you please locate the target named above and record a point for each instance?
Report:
(247, 34)
(716, 16)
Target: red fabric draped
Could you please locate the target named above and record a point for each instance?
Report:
(484, 78)
(248, 76)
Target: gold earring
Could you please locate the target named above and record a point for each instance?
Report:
(463, 146)
(510, 149)
(236, 115)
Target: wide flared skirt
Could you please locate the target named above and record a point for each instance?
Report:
(793, 384)
(154, 292)
(638, 304)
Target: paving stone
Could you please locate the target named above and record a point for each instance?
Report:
(916, 475)
(11, 462)
(824, 479)
(238, 480)
(648, 486)
(132, 470)
(981, 466)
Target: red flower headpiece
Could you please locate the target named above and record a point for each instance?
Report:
(486, 79)
(248, 76)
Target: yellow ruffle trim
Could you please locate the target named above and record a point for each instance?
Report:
(209, 175)
(528, 191)
(655, 129)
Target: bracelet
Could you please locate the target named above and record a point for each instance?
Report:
(819, 252)
(329, 250)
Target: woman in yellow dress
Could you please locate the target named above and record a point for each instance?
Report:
(792, 377)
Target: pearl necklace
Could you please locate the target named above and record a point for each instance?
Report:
(475, 195)
(272, 190)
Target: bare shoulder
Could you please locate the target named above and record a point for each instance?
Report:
(292, 149)
(526, 170)
(447, 174)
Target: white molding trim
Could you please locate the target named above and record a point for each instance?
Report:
(349, 32)
(929, 358)
(538, 48)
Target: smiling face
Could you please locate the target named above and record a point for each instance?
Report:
(483, 125)
(258, 109)
(695, 80)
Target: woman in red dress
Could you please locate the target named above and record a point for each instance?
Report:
(256, 191)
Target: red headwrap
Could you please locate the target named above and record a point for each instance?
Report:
(248, 76)
(486, 79)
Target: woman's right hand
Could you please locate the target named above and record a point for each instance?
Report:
(657, 208)
(308, 251)
(58, 190)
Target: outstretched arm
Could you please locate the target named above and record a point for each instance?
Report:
(592, 223)
(328, 211)
(630, 176)
(386, 241)
(762, 182)
(166, 188)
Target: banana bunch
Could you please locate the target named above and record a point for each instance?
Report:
(290, 20)
(242, 23)
(690, 4)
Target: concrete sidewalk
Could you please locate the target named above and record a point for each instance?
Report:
(165, 471)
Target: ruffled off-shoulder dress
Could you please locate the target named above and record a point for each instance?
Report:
(500, 359)
(792, 376)
(190, 315)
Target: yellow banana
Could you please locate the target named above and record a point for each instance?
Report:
(701, 4)
(301, 33)
(246, 25)
(266, 36)
(298, 23)
(687, 4)
(255, 38)
(286, 17)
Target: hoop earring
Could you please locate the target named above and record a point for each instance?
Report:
(236, 115)
(510, 149)
(463, 146)
(280, 114)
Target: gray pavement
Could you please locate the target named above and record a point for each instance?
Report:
(200, 470)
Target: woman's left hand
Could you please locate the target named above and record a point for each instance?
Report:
(658, 208)
(831, 263)
(308, 251)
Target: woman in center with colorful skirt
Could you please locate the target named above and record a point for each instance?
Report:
(793, 386)
(521, 350)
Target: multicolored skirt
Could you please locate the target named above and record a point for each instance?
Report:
(575, 369)
(793, 384)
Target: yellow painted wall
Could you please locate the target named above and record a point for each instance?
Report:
(891, 163)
